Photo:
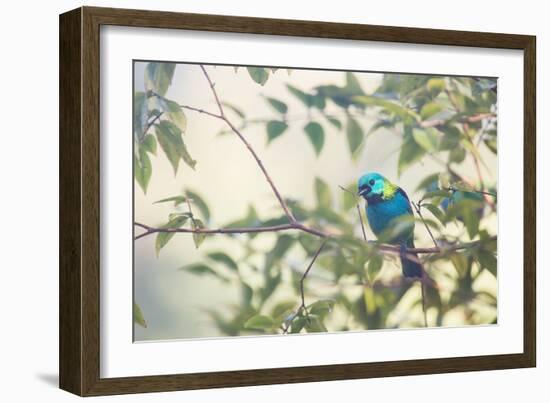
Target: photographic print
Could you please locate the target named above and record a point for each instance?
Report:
(285, 201)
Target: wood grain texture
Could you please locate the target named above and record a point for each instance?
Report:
(80, 200)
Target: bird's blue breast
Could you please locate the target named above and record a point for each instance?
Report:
(382, 213)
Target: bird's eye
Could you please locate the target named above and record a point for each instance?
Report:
(371, 182)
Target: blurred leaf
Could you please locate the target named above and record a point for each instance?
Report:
(224, 258)
(410, 153)
(457, 155)
(140, 115)
(142, 169)
(259, 322)
(488, 261)
(175, 114)
(171, 142)
(354, 134)
(199, 202)
(389, 106)
(282, 245)
(279, 106)
(274, 129)
(375, 265)
(200, 269)
(283, 308)
(460, 262)
(321, 308)
(163, 237)
(314, 324)
(258, 74)
(428, 138)
(316, 135)
(435, 86)
(430, 109)
(352, 84)
(437, 213)
(198, 237)
(234, 109)
(138, 316)
(149, 144)
(158, 76)
(335, 122)
(306, 99)
(322, 191)
(176, 199)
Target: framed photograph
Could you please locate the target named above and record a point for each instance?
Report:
(249, 201)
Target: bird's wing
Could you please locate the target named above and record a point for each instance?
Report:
(402, 193)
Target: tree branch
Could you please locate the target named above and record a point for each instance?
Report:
(222, 116)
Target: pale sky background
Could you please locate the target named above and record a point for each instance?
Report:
(229, 180)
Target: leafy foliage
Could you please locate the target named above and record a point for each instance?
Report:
(450, 120)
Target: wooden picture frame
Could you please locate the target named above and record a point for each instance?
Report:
(80, 199)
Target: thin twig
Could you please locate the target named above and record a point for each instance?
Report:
(191, 108)
(358, 212)
(303, 278)
(151, 123)
(417, 207)
(222, 116)
(393, 249)
(361, 221)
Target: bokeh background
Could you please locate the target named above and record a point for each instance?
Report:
(175, 303)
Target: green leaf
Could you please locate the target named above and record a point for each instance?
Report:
(436, 211)
(457, 155)
(258, 74)
(430, 109)
(233, 108)
(274, 129)
(199, 202)
(163, 237)
(176, 199)
(316, 135)
(335, 122)
(389, 106)
(283, 309)
(198, 237)
(488, 261)
(321, 308)
(149, 144)
(140, 115)
(282, 245)
(352, 85)
(374, 267)
(410, 153)
(428, 138)
(142, 169)
(322, 191)
(279, 106)
(138, 316)
(158, 76)
(175, 114)
(306, 99)
(259, 322)
(354, 134)
(170, 139)
(314, 324)
(200, 269)
(435, 86)
(224, 258)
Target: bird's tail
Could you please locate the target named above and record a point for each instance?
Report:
(411, 266)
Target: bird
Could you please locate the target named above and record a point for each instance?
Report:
(389, 215)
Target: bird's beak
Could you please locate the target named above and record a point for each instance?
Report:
(363, 191)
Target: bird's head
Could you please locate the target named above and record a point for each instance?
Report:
(372, 186)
